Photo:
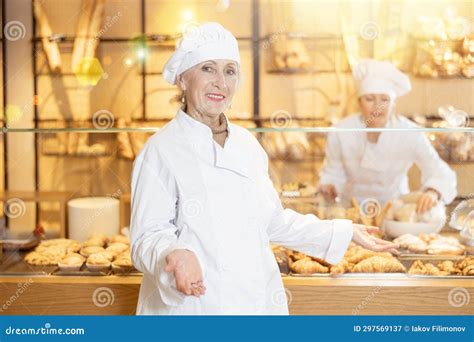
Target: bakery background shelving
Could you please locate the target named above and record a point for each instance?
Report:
(136, 93)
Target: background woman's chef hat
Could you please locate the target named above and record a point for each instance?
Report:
(376, 77)
(202, 43)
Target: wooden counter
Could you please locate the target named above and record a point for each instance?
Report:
(117, 295)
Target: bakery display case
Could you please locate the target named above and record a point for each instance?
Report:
(93, 94)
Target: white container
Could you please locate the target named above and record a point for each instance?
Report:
(90, 215)
(395, 229)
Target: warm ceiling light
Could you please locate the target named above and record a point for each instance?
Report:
(187, 15)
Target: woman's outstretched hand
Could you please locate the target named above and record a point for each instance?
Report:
(362, 237)
(187, 272)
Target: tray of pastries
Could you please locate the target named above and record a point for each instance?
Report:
(429, 245)
(357, 260)
(98, 255)
(459, 268)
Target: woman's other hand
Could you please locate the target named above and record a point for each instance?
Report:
(187, 272)
(362, 236)
(427, 201)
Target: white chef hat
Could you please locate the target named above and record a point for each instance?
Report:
(206, 42)
(377, 77)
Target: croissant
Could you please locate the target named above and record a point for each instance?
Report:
(340, 268)
(447, 266)
(465, 262)
(363, 254)
(308, 266)
(468, 271)
(426, 269)
(417, 268)
(379, 264)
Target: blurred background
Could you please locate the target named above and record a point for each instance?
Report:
(82, 81)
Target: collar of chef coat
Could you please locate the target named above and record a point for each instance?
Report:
(200, 137)
(372, 155)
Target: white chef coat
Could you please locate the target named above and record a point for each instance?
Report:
(378, 171)
(189, 192)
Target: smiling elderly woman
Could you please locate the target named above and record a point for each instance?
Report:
(204, 209)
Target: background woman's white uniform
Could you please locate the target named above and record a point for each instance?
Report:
(364, 170)
(189, 192)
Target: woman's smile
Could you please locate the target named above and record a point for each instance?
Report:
(215, 97)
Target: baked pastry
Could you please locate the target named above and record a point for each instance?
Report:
(86, 251)
(406, 213)
(295, 255)
(71, 263)
(308, 266)
(412, 243)
(379, 264)
(123, 265)
(363, 254)
(465, 266)
(447, 266)
(120, 238)
(340, 268)
(445, 249)
(432, 243)
(39, 259)
(98, 259)
(117, 247)
(418, 267)
(109, 255)
(94, 242)
(50, 252)
(353, 214)
(335, 212)
(98, 262)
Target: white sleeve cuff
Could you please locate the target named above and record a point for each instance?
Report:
(341, 238)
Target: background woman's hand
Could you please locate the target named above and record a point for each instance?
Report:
(187, 272)
(427, 201)
(361, 236)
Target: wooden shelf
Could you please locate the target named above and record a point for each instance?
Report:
(61, 295)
